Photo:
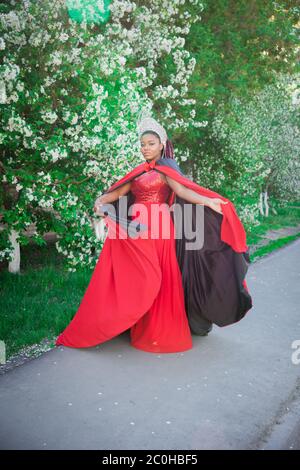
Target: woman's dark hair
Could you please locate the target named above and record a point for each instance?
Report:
(151, 132)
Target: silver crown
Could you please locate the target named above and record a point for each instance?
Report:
(150, 124)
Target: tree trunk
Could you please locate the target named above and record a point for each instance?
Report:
(266, 203)
(260, 204)
(14, 265)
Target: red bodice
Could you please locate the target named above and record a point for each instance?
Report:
(150, 187)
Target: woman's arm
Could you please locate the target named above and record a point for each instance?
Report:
(193, 197)
(111, 197)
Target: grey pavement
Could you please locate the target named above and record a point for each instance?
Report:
(238, 388)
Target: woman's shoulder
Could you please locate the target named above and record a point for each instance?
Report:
(171, 163)
(163, 178)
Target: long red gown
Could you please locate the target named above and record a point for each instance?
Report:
(136, 283)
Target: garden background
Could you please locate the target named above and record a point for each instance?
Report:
(222, 77)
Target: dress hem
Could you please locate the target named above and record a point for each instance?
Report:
(145, 349)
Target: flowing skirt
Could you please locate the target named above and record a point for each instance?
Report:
(136, 285)
(164, 327)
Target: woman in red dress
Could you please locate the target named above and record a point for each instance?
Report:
(149, 282)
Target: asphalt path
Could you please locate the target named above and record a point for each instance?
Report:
(238, 388)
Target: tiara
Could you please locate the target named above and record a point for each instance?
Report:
(150, 124)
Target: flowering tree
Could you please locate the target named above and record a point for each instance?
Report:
(261, 142)
(238, 45)
(71, 93)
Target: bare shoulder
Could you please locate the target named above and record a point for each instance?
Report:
(124, 188)
(177, 187)
(164, 178)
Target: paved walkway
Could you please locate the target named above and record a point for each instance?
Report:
(231, 391)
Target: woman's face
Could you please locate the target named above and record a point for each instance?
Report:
(151, 146)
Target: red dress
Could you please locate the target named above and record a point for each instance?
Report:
(164, 328)
(137, 282)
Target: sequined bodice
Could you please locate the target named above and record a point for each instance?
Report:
(150, 187)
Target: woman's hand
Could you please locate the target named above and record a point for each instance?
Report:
(97, 207)
(215, 204)
(112, 196)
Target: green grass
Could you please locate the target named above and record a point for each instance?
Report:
(39, 302)
(288, 216)
(273, 245)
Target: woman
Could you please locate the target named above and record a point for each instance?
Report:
(156, 281)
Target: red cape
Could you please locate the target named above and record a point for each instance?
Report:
(232, 229)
